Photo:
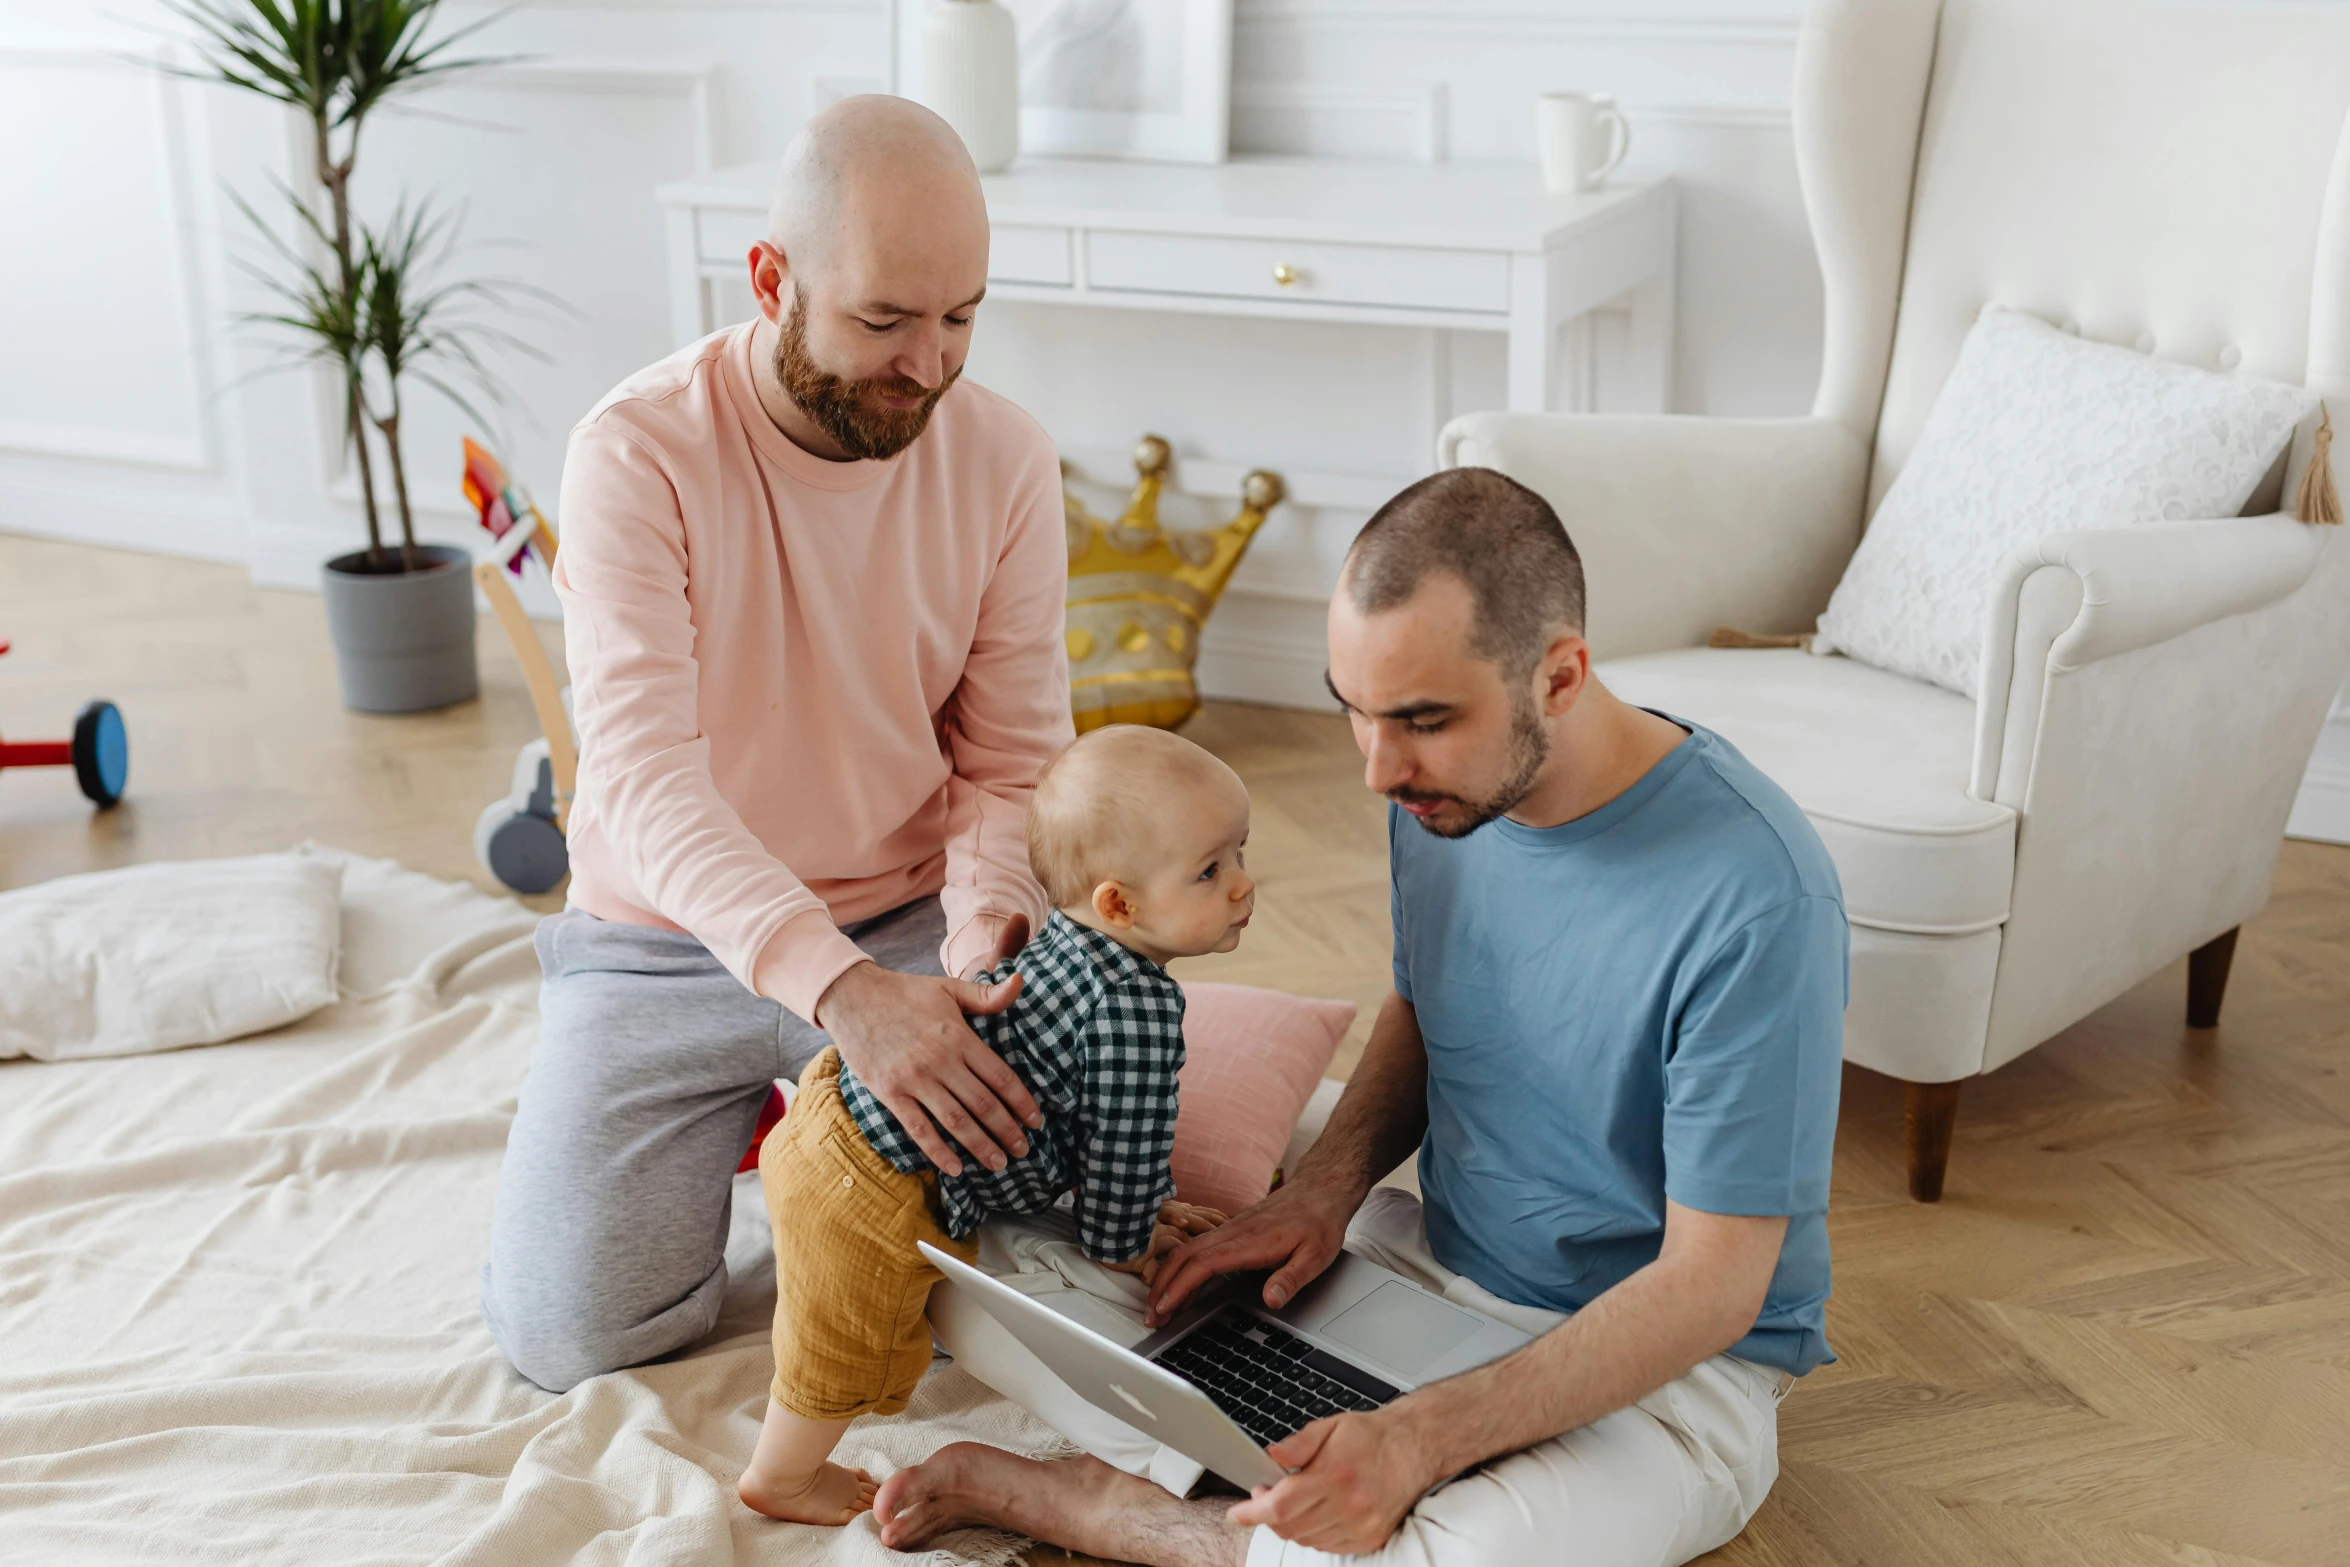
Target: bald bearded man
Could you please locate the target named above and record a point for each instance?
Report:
(812, 596)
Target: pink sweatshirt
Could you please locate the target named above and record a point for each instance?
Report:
(806, 691)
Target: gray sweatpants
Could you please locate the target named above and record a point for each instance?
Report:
(609, 1243)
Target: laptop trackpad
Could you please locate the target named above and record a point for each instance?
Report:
(1399, 1326)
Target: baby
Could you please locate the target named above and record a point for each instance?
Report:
(1136, 836)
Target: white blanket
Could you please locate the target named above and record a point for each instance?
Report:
(237, 1303)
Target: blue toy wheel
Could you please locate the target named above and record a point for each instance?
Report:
(101, 753)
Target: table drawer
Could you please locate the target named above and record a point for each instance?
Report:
(1328, 274)
(1017, 253)
(1023, 253)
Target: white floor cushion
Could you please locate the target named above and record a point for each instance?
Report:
(156, 957)
(1878, 762)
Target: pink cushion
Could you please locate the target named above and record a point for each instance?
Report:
(1252, 1058)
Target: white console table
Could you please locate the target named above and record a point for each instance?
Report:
(1453, 246)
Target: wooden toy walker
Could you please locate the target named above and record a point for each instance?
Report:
(519, 839)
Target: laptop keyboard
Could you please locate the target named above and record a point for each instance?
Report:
(1270, 1381)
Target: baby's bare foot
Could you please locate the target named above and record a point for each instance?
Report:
(831, 1495)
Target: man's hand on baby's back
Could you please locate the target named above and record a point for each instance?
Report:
(905, 1037)
(1296, 1231)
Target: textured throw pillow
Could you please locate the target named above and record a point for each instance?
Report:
(1251, 1060)
(154, 957)
(2035, 432)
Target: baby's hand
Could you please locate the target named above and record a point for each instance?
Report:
(1177, 1223)
(1190, 1218)
(1164, 1239)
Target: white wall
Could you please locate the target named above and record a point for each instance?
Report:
(147, 422)
(129, 413)
(2323, 809)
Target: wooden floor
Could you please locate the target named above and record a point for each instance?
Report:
(2123, 1336)
(238, 740)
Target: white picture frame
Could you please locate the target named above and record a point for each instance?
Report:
(1144, 79)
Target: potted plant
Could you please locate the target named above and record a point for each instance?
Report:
(365, 302)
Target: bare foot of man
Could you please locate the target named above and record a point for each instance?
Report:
(830, 1495)
(1080, 1504)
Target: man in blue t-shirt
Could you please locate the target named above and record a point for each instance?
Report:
(1615, 1039)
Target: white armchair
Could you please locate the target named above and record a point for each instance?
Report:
(2172, 178)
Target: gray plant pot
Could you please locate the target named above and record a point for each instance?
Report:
(403, 639)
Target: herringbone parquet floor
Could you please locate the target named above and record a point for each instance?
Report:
(2121, 1340)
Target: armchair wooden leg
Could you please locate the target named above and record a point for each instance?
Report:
(1929, 1112)
(2207, 979)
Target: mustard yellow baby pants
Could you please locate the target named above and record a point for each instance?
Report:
(851, 1337)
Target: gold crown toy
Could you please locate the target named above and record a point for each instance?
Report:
(1139, 595)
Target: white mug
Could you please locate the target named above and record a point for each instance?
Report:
(1583, 138)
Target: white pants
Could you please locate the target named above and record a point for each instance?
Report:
(1667, 1479)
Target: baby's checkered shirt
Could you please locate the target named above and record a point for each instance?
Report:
(1097, 1035)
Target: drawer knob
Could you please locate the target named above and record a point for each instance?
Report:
(1284, 274)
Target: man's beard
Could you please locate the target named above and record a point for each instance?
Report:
(1529, 749)
(850, 411)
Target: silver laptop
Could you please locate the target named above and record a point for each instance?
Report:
(1227, 1378)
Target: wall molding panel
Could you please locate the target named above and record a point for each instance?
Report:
(99, 443)
(120, 430)
(176, 148)
(695, 81)
(1364, 120)
(1281, 669)
(160, 522)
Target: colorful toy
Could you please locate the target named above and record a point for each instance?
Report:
(99, 752)
(519, 839)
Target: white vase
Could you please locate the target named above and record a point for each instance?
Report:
(971, 77)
